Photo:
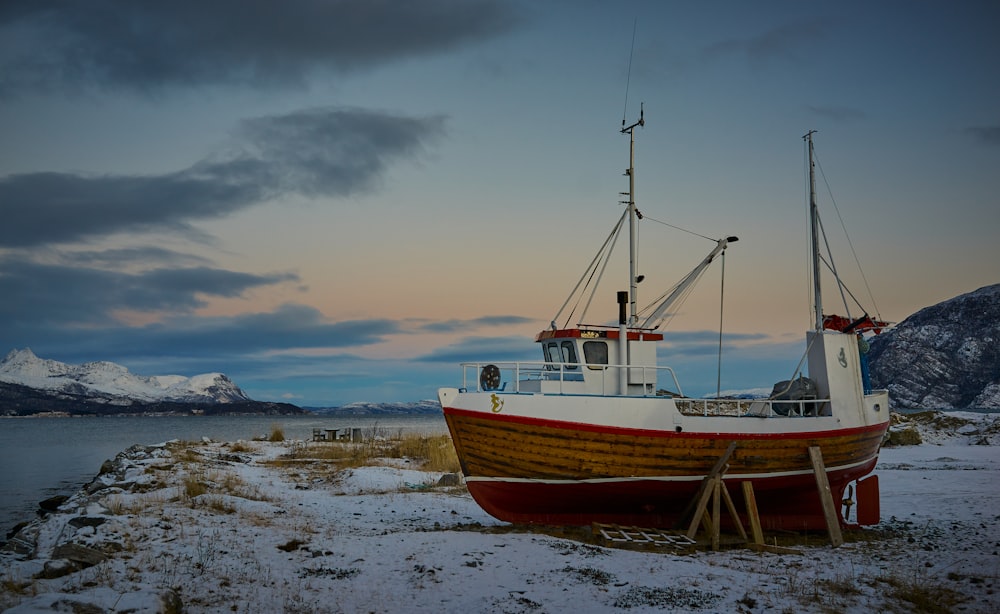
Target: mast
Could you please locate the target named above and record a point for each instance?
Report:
(633, 214)
(814, 235)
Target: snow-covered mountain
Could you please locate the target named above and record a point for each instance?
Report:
(362, 408)
(110, 383)
(946, 356)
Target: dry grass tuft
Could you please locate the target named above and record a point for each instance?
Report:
(435, 452)
(277, 433)
(922, 596)
(431, 452)
(193, 486)
(241, 446)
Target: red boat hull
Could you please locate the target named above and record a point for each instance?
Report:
(529, 471)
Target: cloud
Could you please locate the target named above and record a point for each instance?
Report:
(837, 113)
(118, 258)
(42, 298)
(315, 152)
(220, 340)
(783, 42)
(497, 349)
(149, 46)
(989, 135)
(451, 326)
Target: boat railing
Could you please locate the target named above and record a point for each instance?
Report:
(569, 378)
(760, 408)
(562, 378)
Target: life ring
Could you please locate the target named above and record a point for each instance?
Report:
(489, 377)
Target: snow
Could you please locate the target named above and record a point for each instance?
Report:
(107, 379)
(306, 537)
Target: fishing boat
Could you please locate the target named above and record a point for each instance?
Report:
(597, 431)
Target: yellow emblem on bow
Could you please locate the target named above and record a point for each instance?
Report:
(497, 403)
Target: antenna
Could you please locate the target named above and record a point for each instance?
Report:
(640, 123)
(628, 78)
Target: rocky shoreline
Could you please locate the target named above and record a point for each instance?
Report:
(280, 526)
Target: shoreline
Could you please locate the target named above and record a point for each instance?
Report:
(273, 526)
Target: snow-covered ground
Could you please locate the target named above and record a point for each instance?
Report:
(268, 536)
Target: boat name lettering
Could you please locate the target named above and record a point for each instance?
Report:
(589, 334)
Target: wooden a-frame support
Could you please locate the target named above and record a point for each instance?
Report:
(714, 488)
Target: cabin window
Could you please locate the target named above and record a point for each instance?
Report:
(568, 354)
(595, 353)
(551, 352)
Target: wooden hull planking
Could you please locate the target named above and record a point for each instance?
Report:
(525, 471)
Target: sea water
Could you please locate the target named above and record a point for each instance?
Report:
(43, 457)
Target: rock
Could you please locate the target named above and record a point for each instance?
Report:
(52, 503)
(903, 437)
(57, 568)
(450, 479)
(87, 521)
(102, 600)
(16, 529)
(80, 554)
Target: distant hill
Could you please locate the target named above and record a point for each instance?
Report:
(946, 356)
(31, 385)
(380, 409)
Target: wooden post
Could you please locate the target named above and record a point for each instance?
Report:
(700, 513)
(716, 514)
(751, 501)
(732, 510)
(826, 496)
(706, 485)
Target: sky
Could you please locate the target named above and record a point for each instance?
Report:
(334, 202)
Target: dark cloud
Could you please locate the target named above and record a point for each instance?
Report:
(148, 46)
(784, 42)
(837, 113)
(450, 326)
(125, 257)
(990, 135)
(316, 152)
(42, 298)
(189, 337)
(498, 349)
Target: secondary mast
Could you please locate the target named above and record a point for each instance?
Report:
(633, 215)
(814, 235)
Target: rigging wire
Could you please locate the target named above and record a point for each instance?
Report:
(603, 253)
(831, 265)
(628, 77)
(690, 232)
(722, 296)
(850, 243)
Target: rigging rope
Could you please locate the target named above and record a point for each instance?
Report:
(690, 232)
(850, 243)
(628, 78)
(722, 296)
(588, 275)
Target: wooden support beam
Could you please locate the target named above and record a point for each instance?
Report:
(700, 513)
(754, 516)
(706, 484)
(716, 513)
(826, 496)
(732, 511)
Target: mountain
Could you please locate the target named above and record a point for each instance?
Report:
(945, 356)
(380, 409)
(29, 384)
